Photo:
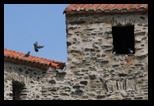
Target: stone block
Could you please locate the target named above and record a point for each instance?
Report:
(92, 77)
(84, 82)
(100, 96)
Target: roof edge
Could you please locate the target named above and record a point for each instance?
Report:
(18, 57)
(105, 8)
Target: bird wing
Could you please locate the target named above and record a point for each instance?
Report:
(36, 43)
(38, 47)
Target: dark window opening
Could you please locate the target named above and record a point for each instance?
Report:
(17, 89)
(123, 39)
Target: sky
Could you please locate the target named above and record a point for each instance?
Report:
(45, 23)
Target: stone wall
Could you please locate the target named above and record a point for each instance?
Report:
(94, 69)
(35, 81)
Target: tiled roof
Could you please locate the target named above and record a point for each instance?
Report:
(34, 61)
(105, 8)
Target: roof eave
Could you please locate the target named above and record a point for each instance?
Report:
(27, 63)
(103, 12)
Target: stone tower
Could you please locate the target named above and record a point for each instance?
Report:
(107, 47)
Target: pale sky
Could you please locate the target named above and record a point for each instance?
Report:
(45, 23)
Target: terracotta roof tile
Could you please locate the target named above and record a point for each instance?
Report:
(17, 57)
(97, 8)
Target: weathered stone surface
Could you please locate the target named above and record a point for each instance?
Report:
(138, 98)
(76, 86)
(84, 82)
(52, 82)
(77, 22)
(78, 92)
(140, 33)
(123, 93)
(100, 96)
(92, 77)
(92, 71)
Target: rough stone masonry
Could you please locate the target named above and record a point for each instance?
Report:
(98, 73)
(92, 71)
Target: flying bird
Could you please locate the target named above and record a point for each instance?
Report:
(130, 51)
(36, 46)
(26, 55)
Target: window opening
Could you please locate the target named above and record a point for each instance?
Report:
(17, 89)
(123, 39)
